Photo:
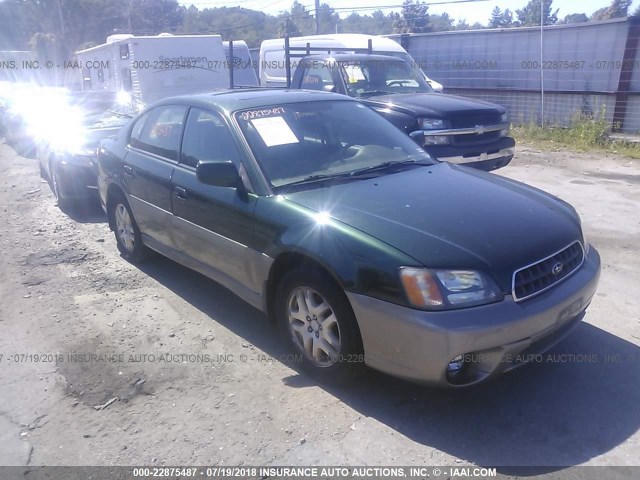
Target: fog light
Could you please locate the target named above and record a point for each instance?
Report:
(455, 365)
(436, 139)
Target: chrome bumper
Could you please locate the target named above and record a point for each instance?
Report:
(483, 157)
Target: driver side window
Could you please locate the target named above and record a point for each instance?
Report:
(207, 137)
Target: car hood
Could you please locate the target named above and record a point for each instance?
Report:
(433, 104)
(447, 216)
(93, 136)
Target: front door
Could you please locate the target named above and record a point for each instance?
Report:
(213, 225)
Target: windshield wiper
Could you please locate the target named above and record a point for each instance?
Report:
(318, 177)
(120, 114)
(371, 93)
(387, 165)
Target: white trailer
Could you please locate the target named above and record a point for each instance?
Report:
(155, 67)
(244, 72)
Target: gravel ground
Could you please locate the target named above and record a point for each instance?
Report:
(199, 377)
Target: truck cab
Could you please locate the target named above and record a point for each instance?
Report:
(450, 128)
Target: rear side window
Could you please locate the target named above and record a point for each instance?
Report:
(316, 76)
(159, 131)
(207, 137)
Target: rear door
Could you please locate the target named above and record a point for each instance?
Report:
(213, 225)
(154, 148)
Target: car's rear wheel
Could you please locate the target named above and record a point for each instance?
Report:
(127, 233)
(320, 325)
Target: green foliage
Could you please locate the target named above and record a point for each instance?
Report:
(16, 24)
(585, 132)
(375, 24)
(232, 23)
(500, 19)
(414, 18)
(617, 9)
(575, 18)
(440, 23)
(529, 15)
(288, 28)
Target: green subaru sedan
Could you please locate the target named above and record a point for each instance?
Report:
(366, 251)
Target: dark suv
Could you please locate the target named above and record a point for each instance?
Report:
(317, 211)
(451, 128)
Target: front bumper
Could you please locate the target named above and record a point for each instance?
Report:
(77, 181)
(485, 157)
(418, 345)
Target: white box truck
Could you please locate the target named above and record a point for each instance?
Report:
(272, 55)
(155, 67)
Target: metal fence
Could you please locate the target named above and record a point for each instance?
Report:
(542, 75)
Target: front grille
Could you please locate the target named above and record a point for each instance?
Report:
(473, 138)
(542, 275)
(472, 119)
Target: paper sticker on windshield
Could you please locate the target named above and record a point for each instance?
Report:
(354, 73)
(264, 112)
(274, 131)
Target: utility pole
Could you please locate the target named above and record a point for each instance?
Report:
(541, 63)
(60, 17)
(130, 30)
(317, 17)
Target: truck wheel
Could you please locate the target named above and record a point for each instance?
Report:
(126, 230)
(318, 322)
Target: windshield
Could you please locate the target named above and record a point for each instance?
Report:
(376, 77)
(296, 141)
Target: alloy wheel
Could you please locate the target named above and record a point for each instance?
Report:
(313, 326)
(124, 227)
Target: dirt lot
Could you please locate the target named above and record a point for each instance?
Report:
(65, 291)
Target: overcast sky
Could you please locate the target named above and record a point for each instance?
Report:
(476, 11)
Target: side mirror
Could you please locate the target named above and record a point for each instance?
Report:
(329, 88)
(218, 173)
(418, 137)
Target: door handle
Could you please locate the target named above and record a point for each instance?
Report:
(128, 170)
(180, 192)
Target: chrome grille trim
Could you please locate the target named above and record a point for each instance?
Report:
(542, 260)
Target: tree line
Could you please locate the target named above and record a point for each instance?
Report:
(64, 26)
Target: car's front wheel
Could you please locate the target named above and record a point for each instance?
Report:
(125, 228)
(320, 325)
(56, 187)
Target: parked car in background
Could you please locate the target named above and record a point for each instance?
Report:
(67, 139)
(316, 210)
(25, 105)
(452, 128)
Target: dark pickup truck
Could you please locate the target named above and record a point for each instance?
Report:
(451, 128)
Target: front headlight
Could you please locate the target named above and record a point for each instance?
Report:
(504, 118)
(448, 289)
(585, 242)
(431, 123)
(81, 158)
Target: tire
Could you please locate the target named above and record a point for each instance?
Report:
(43, 174)
(64, 204)
(318, 323)
(126, 231)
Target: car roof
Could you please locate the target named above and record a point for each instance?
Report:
(241, 99)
